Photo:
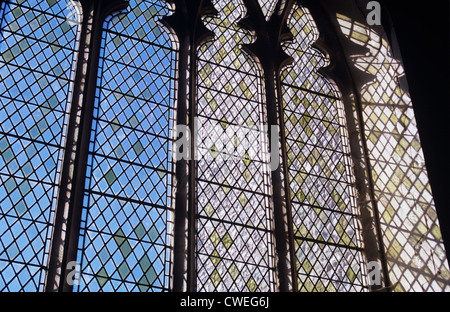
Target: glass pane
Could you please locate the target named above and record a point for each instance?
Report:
(327, 243)
(234, 246)
(125, 237)
(415, 252)
(37, 48)
(267, 7)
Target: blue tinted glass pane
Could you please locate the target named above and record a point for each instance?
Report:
(37, 48)
(125, 237)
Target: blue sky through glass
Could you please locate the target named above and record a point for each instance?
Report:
(36, 67)
(124, 243)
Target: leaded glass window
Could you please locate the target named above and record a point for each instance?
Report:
(125, 243)
(267, 7)
(323, 203)
(38, 47)
(407, 214)
(93, 97)
(234, 244)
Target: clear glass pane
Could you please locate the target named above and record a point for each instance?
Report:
(327, 242)
(234, 246)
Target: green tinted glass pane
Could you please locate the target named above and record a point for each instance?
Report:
(234, 251)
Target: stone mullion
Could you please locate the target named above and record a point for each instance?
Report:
(190, 31)
(267, 49)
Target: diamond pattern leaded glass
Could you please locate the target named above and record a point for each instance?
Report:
(408, 219)
(126, 231)
(234, 251)
(37, 47)
(124, 242)
(323, 205)
(267, 7)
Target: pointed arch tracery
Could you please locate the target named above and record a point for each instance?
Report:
(86, 169)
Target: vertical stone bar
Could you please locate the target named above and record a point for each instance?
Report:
(187, 25)
(268, 50)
